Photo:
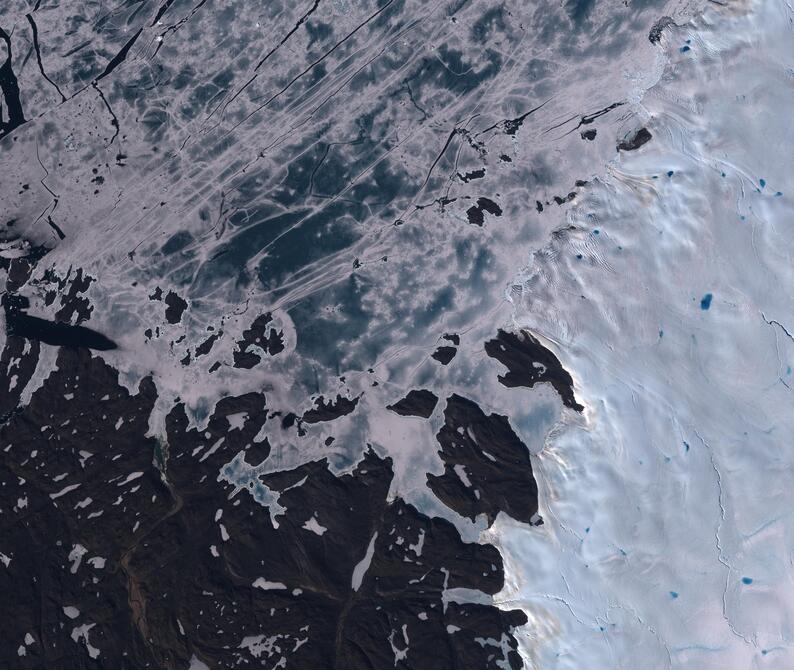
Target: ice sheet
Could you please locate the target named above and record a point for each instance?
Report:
(669, 531)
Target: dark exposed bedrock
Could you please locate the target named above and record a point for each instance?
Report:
(206, 346)
(19, 357)
(261, 335)
(175, 307)
(444, 354)
(471, 176)
(642, 136)
(528, 363)
(156, 563)
(419, 402)
(328, 410)
(74, 306)
(655, 34)
(487, 469)
(476, 213)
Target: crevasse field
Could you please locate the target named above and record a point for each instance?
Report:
(669, 539)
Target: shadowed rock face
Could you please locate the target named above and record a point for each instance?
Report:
(528, 363)
(417, 403)
(486, 466)
(136, 555)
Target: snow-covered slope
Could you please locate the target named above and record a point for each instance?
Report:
(669, 533)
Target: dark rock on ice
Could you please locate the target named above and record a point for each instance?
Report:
(642, 136)
(268, 339)
(486, 466)
(175, 307)
(655, 35)
(529, 363)
(124, 551)
(476, 213)
(328, 410)
(419, 402)
(444, 354)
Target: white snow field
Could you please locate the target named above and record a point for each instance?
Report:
(669, 534)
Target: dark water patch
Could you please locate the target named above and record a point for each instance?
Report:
(35, 32)
(61, 235)
(177, 242)
(54, 333)
(440, 302)
(450, 71)
(579, 10)
(705, 301)
(317, 236)
(120, 57)
(491, 25)
(337, 315)
(10, 89)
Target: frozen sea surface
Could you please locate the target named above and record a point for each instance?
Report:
(299, 240)
(669, 538)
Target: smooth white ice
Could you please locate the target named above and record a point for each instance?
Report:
(669, 534)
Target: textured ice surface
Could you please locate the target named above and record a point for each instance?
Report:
(321, 206)
(669, 531)
(327, 192)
